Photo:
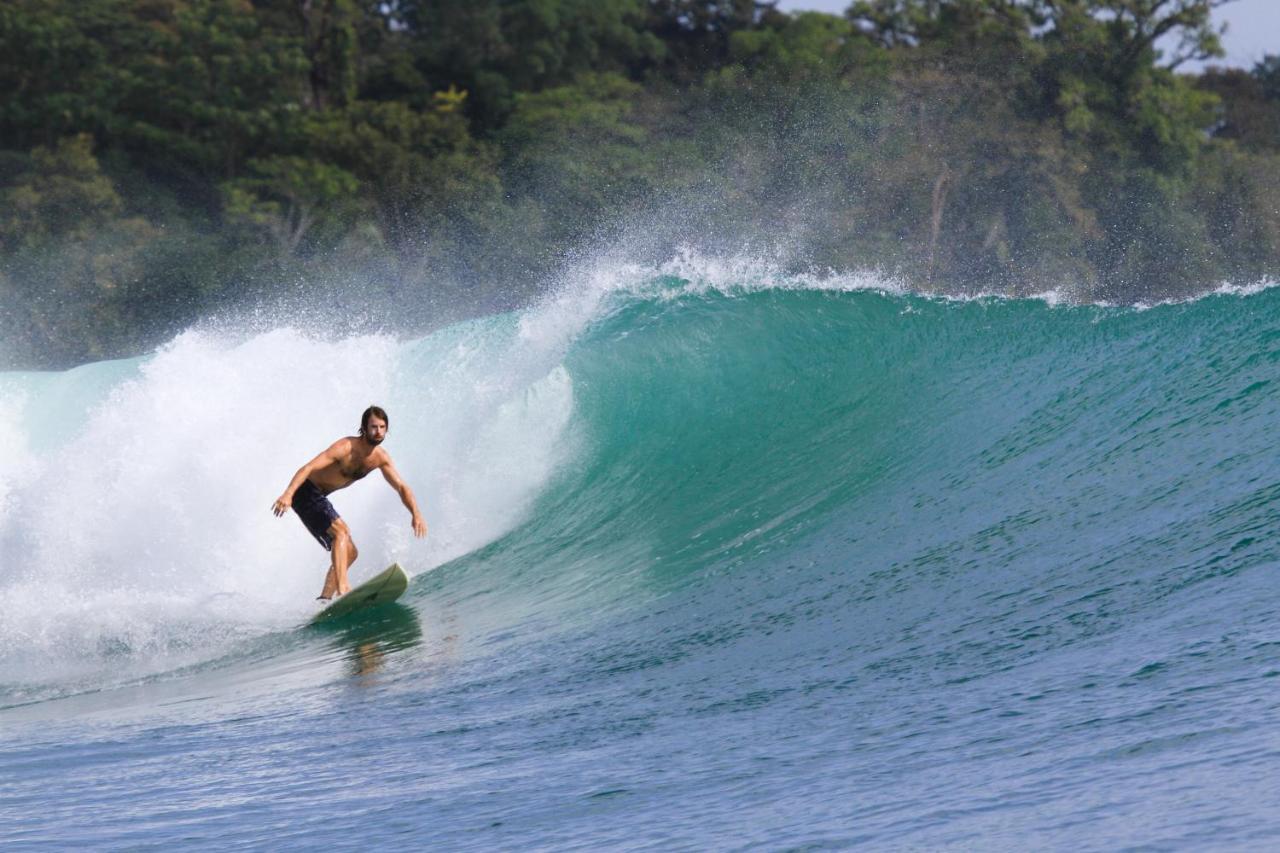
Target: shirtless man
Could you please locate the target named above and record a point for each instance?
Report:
(344, 462)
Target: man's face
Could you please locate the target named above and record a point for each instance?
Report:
(375, 431)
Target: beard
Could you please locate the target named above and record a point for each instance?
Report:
(374, 442)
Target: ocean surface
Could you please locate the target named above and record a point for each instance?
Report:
(719, 558)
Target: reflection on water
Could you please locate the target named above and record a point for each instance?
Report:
(371, 636)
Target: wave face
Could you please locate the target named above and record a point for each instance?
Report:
(718, 557)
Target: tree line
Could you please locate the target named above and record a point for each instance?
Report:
(400, 162)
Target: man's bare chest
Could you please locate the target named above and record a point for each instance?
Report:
(353, 467)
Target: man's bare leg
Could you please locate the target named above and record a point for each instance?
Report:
(330, 579)
(342, 555)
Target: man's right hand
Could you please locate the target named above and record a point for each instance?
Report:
(282, 505)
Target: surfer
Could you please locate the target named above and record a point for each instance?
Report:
(345, 461)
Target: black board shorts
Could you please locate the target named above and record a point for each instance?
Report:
(315, 511)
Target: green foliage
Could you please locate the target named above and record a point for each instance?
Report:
(1267, 73)
(897, 23)
(431, 183)
(211, 85)
(71, 253)
(806, 48)
(578, 150)
(697, 33)
(60, 194)
(164, 158)
(1104, 84)
(288, 197)
(57, 69)
(1237, 191)
(496, 49)
(1248, 112)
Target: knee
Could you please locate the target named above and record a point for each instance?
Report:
(340, 533)
(352, 551)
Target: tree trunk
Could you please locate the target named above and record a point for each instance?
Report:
(935, 222)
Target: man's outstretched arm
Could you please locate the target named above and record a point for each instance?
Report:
(393, 477)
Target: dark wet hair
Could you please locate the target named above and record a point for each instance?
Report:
(373, 412)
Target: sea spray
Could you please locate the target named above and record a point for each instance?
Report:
(144, 541)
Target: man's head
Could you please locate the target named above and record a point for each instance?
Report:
(373, 425)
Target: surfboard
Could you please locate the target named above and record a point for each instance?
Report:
(382, 588)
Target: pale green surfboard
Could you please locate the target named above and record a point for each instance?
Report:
(382, 588)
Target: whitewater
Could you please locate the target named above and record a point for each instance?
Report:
(720, 557)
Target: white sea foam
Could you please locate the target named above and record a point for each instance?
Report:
(145, 540)
(17, 465)
(690, 272)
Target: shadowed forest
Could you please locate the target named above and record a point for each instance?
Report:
(400, 164)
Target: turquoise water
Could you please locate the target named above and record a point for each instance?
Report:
(713, 563)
